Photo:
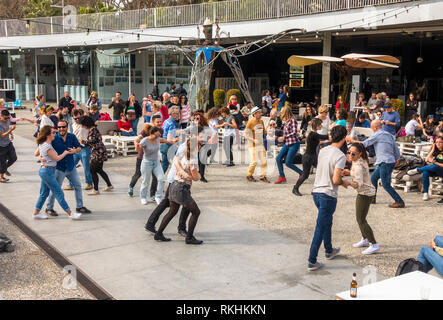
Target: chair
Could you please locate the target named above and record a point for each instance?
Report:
(18, 104)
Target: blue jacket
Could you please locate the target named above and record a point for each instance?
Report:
(67, 163)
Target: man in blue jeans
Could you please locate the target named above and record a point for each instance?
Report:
(170, 132)
(331, 162)
(66, 168)
(387, 153)
(432, 256)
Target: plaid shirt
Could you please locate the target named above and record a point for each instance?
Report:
(290, 132)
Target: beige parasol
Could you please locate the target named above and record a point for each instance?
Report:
(309, 60)
(363, 61)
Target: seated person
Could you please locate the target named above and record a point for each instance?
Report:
(434, 167)
(362, 122)
(124, 126)
(413, 127)
(432, 256)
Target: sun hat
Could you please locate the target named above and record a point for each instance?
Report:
(255, 110)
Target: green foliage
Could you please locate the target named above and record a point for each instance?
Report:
(219, 97)
(399, 106)
(234, 92)
(100, 8)
(40, 8)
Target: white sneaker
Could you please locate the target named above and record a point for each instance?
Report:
(75, 215)
(425, 196)
(362, 243)
(144, 201)
(412, 172)
(158, 200)
(40, 216)
(373, 248)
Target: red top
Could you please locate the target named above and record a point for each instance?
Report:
(126, 125)
(165, 113)
(346, 105)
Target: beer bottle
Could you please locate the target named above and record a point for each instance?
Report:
(354, 286)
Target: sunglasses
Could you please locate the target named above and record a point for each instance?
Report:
(352, 153)
(62, 127)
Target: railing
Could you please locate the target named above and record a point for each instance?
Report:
(7, 84)
(222, 12)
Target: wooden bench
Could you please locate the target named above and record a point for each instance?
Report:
(124, 145)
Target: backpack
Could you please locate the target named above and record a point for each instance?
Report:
(105, 117)
(401, 133)
(409, 265)
(5, 244)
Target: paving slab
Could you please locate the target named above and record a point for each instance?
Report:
(237, 261)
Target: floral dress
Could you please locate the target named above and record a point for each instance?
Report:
(98, 149)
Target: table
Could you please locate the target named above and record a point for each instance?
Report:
(124, 145)
(404, 287)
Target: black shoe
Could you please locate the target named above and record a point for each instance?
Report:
(440, 202)
(151, 228)
(51, 213)
(373, 201)
(161, 237)
(83, 210)
(183, 233)
(296, 192)
(230, 165)
(192, 240)
(203, 179)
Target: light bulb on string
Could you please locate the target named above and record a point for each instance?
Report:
(87, 32)
(180, 40)
(28, 24)
(138, 37)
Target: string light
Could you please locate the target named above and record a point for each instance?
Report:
(28, 24)
(87, 32)
(138, 37)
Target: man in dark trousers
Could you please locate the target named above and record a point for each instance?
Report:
(7, 151)
(119, 106)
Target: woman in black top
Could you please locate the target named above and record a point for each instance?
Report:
(307, 117)
(309, 158)
(429, 127)
(410, 107)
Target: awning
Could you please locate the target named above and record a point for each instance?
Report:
(310, 60)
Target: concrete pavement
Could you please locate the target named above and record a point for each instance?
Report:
(237, 260)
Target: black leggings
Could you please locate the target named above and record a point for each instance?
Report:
(308, 161)
(97, 169)
(202, 164)
(137, 176)
(173, 209)
(227, 146)
(7, 157)
(155, 215)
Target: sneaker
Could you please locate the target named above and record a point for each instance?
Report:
(40, 216)
(373, 248)
(130, 192)
(362, 243)
(425, 196)
(67, 188)
(265, 180)
(144, 201)
(333, 254)
(251, 179)
(397, 205)
(75, 215)
(280, 180)
(151, 228)
(51, 212)
(296, 192)
(160, 237)
(158, 200)
(440, 201)
(192, 240)
(109, 188)
(203, 179)
(183, 233)
(93, 192)
(83, 210)
(314, 266)
(88, 187)
(413, 171)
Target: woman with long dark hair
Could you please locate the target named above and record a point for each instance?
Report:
(361, 181)
(199, 120)
(47, 173)
(98, 155)
(185, 111)
(180, 192)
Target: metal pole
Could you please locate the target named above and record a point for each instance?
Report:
(130, 80)
(56, 77)
(155, 66)
(36, 72)
(6, 29)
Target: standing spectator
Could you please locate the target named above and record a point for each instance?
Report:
(317, 102)
(67, 102)
(156, 106)
(66, 167)
(233, 102)
(341, 104)
(373, 100)
(93, 113)
(390, 119)
(47, 173)
(118, 105)
(185, 110)
(214, 119)
(292, 144)
(434, 167)
(98, 155)
(170, 133)
(93, 99)
(181, 90)
(411, 107)
(387, 154)
(361, 182)
(330, 166)
(229, 127)
(48, 118)
(146, 107)
(254, 133)
(134, 111)
(7, 150)
(282, 97)
(268, 99)
(155, 92)
(41, 102)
